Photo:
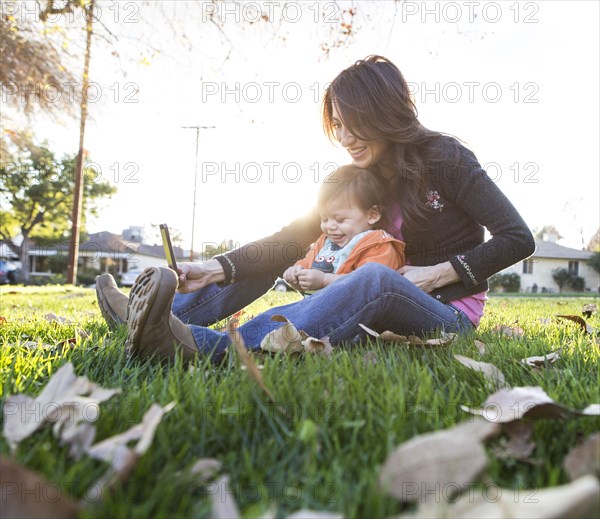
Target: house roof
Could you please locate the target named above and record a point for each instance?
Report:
(548, 249)
(108, 243)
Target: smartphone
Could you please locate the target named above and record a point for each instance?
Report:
(166, 239)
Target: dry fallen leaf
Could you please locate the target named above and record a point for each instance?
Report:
(27, 494)
(279, 318)
(33, 345)
(387, 336)
(592, 410)
(519, 445)
(2, 320)
(507, 405)
(223, 501)
(370, 358)
(318, 346)
(122, 459)
(286, 339)
(513, 331)
(61, 402)
(575, 500)
(541, 361)
(480, 346)
(578, 320)
(589, 309)
(436, 458)
(244, 356)
(489, 371)
(584, 459)
(53, 318)
(205, 469)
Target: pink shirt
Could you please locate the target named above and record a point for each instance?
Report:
(472, 306)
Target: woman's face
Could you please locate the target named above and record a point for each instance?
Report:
(363, 153)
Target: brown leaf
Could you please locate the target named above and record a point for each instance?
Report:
(540, 362)
(286, 339)
(223, 502)
(589, 309)
(480, 346)
(436, 459)
(392, 337)
(27, 494)
(507, 405)
(244, 356)
(489, 371)
(3, 320)
(584, 459)
(318, 346)
(279, 318)
(578, 320)
(519, 445)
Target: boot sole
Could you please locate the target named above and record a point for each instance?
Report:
(142, 301)
(112, 319)
(141, 298)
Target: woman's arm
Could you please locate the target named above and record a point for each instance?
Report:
(272, 254)
(511, 240)
(430, 278)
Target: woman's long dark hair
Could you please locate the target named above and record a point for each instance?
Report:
(374, 102)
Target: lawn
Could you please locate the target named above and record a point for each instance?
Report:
(336, 420)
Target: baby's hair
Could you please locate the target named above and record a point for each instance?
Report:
(360, 186)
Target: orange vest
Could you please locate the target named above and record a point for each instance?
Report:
(377, 246)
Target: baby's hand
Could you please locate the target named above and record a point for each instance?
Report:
(311, 279)
(290, 276)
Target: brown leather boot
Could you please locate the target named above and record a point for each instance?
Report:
(153, 330)
(111, 301)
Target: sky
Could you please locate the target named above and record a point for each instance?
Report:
(517, 82)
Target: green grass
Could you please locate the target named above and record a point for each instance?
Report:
(344, 416)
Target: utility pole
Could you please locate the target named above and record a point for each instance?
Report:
(78, 192)
(197, 128)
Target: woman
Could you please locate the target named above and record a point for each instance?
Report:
(440, 198)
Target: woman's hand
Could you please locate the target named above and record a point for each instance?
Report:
(430, 278)
(311, 279)
(194, 276)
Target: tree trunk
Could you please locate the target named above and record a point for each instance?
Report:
(24, 258)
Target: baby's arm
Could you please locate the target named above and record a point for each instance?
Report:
(313, 279)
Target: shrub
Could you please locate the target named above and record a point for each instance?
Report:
(509, 282)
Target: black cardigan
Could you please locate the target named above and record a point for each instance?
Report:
(462, 201)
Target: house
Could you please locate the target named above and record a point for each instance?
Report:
(536, 271)
(102, 251)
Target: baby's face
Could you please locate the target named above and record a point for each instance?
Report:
(342, 220)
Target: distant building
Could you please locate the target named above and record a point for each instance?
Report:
(536, 271)
(104, 252)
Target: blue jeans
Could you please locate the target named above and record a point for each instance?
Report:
(374, 295)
